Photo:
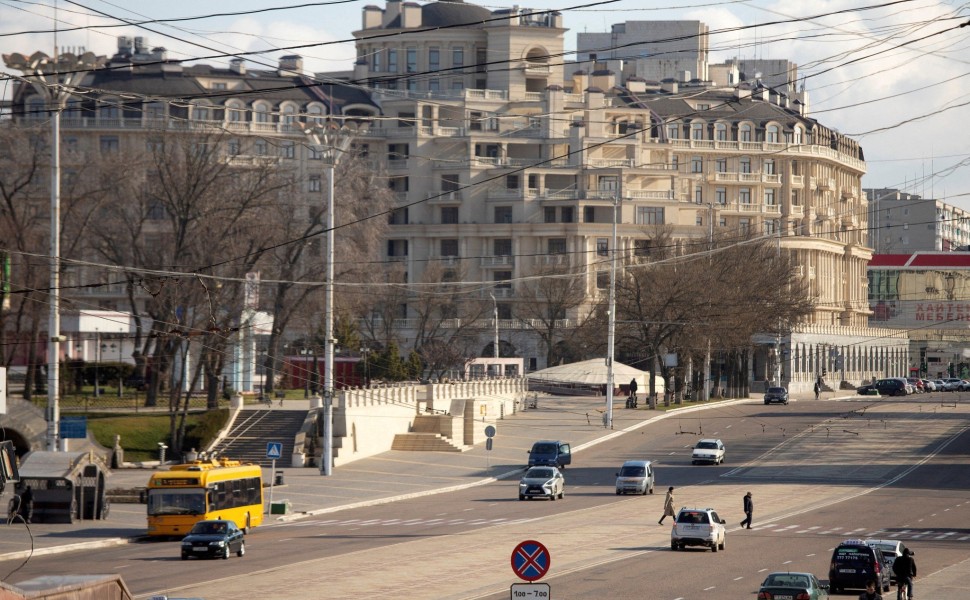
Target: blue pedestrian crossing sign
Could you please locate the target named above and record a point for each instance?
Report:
(274, 449)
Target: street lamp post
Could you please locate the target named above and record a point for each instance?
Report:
(365, 352)
(332, 138)
(121, 389)
(307, 359)
(53, 80)
(98, 350)
(495, 343)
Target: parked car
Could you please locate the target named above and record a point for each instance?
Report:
(542, 482)
(916, 383)
(697, 527)
(635, 476)
(213, 539)
(951, 384)
(789, 586)
(929, 385)
(550, 453)
(867, 390)
(893, 386)
(854, 562)
(708, 451)
(776, 394)
(890, 550)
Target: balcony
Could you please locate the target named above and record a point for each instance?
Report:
(500, 292)
(796, 209)
(447, 261)
(649, 194)
(398, 164)
(534, 68)
(252, 160)
(439, 197)
(798, 180)
(498, 261)
(609, 163)
(552, 260)
(822, 183)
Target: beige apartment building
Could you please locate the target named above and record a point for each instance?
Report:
(505, 163)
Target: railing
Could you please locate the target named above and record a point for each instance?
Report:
(498, 261)
(533, 96)
(796, 209)
(798, 180)
(486, 324)
(773, 148)
(609, 162)
(500, 292)
(532, 68)
(397, 164)
(451, 131)
(438, 196)
(552, 260)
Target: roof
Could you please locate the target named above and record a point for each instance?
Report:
(448, 13)
(593, 372)
(43, 464)
(921, 260)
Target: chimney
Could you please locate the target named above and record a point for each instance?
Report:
(580, 82)
(291, 64)
(392, 12)
(605, 79)
(237, 66)
(410, 15)
(372, 17)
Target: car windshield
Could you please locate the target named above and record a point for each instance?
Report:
(633, 472)
(209, 528)
(776, 390)
(707, 445)
(539, 473)
(544, 448)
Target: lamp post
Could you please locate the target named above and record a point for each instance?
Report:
(120, 378)
(365, 352)
(53, 80)
(307, 354)
(332, 138)
(495, 343)
(98, 349)
(611, 326)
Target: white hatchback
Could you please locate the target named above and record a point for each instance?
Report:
(708, 451)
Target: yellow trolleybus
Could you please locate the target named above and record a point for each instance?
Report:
(200, 490)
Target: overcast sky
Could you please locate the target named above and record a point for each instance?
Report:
(893, 75)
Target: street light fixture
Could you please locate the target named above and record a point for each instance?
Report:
(53, 79)
(332, 138)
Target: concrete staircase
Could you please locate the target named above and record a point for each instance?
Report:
(425, 437)
(253, 429)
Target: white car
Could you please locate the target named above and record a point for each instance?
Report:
(951, 384)
(698, 527)
(542, 482)
(708, 451)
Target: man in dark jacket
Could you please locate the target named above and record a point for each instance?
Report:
(871, 593)
(748, 510)
(905, 570)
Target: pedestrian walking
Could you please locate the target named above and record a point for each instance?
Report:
(668, 505)
(748, 510)
(633, 389)
(818, 390)
(871, 593)
(904, 568)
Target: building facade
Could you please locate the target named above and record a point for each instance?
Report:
(901, 223)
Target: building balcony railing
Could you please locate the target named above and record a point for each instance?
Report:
(772, 148)
(498, 261)
(533, 68)
(450, 197)
(797, 180)
(796, 209)
(499, 292)
(252, 160)
(447, 261)
(649, 194)
(603, 163)
(397, 164)
(552, 260)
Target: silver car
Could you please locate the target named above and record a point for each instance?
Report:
(542, 482)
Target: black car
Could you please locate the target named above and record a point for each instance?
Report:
(213, 539)
(854, 563)
(776, 394)
(893, 386)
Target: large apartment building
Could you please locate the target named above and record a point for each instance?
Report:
(900, 222)
(512, 165)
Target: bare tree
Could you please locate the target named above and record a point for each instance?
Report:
(545, 301)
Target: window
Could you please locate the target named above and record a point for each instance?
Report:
(696, 131)
(502, 247)
(673, 132)
(449, 215)
(720, 165)
(261, 113)
(314, 184)
(457, 57)
(260, 148)
(556, 246)
(674, 162)
(434, 59)
(589, 214)
(549, 214)
(720, 195)
(771, 227)
(434, 85)
(796, 199)
(503, 214)
(720, 132)
(699, 221)
(109, 143)
(481, 58)
(567, 214)
(771, 134)
(457, 85)
(744, 225)
(744, 195)
(378, 60)
(412, 60)
(108, 111)
(398, 217)
(155, 212)
(449, 183)
(722, 222)
(503, 279)
(650, 215)
(745, 133)
(699, 194)
(449, 247)
(602, 247)
(770, 197)
(745, 164)
(315, 153)
(288, 150)
(405, 119)
(392, 60)
(602, 280)
(696, 164)
(769, 166)
(397, 151)
(512, 182)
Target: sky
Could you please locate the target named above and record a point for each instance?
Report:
(892, 74)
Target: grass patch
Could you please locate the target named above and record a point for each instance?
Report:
(141, 434)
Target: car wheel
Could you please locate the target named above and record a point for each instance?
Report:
(521, 497)
(242, 549)
(562, 493)
(673, 546)
(723, 543)
(553, 496)
(185, 556)
(693, 462)
(645, 489)
(617, 492)
(651, 489)
(714, 547)
(767, 403)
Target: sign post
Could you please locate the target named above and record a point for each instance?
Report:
(274, 450)
(530, 561)
(489, 433)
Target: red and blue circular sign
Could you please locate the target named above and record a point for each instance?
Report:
(530, 560)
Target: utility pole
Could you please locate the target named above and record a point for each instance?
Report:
(706, 387)
(495, 343)
(611, 331)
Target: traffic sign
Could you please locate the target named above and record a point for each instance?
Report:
(274, 450)
(490, 431)
(530, 560)
(531, 591)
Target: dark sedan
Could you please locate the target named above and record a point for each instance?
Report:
(213, 539)
(776, 394)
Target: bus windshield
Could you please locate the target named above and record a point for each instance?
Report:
(176, 502)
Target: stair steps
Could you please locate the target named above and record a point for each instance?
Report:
(254, 429)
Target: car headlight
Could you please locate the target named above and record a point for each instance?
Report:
(186, 543)
(219, 543)
(522, 486)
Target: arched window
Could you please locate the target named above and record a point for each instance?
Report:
(315, 114)
(201, 112)
(673, 131)
(109, 110)
(798, 135)
(235, 112)
(697, 131)
(288, 117)
(772, 134)
(745, 133)
(261, 113)
(721, 132)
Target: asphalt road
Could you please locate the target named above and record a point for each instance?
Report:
(820, 472)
